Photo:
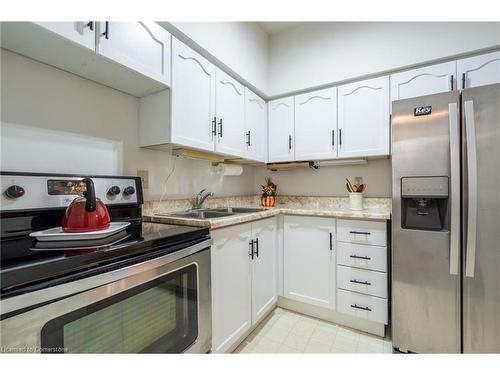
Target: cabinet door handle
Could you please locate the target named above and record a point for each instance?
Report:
(359, 257)
(105, 34)
(331, 241)
(214, 126)
(248, 138)
(340, 137)
(360, 282)
(90, 25)
(451, 82)
(251, 249)
(356, 232)
(257, 247)
(289, 142)
(333, 138)
(220, 128)
(463, 80)
(356, 306)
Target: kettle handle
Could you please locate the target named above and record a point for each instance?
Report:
(90, 204)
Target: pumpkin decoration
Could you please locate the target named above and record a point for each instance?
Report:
(268, 198)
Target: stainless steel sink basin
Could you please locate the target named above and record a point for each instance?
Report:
(234, 210)
(201, 214)
(214, 213)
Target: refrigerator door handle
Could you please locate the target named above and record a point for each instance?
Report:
(455, 188)
(470, 130)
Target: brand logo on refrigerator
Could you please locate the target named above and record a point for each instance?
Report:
(422, 111)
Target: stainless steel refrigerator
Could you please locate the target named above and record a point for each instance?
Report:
(446, 222)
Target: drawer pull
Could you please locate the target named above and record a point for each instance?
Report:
(360, 282)
(360, 257)
(366, 308)
(356, 232)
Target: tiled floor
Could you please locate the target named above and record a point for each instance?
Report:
(284, 331)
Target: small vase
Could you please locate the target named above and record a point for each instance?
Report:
(268, 201)
(356, 201)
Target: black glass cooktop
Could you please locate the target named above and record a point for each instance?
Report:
(36, 266)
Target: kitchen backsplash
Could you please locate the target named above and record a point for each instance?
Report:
(297, 201)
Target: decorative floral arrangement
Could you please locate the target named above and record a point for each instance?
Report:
(269, 193)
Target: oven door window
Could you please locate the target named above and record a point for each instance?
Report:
(156, 317)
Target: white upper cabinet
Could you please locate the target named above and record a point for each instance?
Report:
(193, 98)
(231, 286)
(141, 46)
(264, 275)
(479, 70)
(255, 127)
(281, 130)
(316, 125)
(428, 80)
(309, 261)
(363, 118)
(82, 33)
(230, 113)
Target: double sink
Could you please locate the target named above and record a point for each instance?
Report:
(214, 213)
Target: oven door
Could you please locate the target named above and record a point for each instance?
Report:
(158, 306)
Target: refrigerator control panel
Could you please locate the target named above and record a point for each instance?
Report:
(430, 187)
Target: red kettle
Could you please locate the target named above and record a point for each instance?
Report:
(87, 213)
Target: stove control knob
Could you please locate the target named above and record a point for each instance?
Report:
(114, 190)
(129, 190)
(14, 191)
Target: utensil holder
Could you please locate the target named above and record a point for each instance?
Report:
(356, 201)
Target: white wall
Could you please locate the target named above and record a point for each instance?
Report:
(315, 54)
(241, 46)
(330, 181)
(48, 116)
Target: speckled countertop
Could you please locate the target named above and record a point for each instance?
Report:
(374, 209)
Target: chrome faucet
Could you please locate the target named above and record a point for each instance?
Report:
(200, 198)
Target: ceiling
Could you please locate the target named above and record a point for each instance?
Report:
(275, 27)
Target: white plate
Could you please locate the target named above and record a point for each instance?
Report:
(57, 234)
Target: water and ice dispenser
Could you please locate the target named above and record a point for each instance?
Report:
(424, 203)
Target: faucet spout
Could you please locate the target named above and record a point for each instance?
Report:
(200, 198)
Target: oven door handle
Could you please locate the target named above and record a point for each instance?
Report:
(57, 292)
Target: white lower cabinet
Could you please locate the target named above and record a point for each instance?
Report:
(339, 265)
(243, 280)
(309, 262)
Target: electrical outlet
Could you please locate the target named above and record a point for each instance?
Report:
(144, 175)
(358, 180)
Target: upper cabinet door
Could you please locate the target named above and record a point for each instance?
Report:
(424, 81)
(82, 33)
(316, 125)
(479, 70)
(255, 126)
(230, 113)
(363, 118)
(141, 46)
(264, 277)
(281, 130)
(193, 98)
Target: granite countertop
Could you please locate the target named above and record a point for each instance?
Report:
(379, 210)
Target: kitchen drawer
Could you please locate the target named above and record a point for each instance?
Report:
(368, 282)
(362, 256)
(362, 231)
(362, 306)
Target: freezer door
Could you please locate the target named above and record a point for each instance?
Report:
(425, 263)
(481, 214)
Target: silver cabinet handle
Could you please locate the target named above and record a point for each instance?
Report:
(470, 130)
(359, 257)
(455, 188)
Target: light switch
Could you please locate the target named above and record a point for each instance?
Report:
(144, 175)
